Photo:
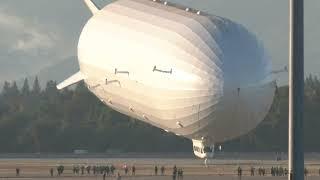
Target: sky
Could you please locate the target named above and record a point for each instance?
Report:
(39, 33)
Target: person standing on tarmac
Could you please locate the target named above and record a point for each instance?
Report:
(104, 176)
(162, 170)
(239, 171)
(82, 170)
(112, 168)
(107, 170)
(88, 168)
(118, 176)
(133, 170)
(252, 171)
(126, 169)
(156, 170)
(17, 171)
(174, 172)
(305, 172)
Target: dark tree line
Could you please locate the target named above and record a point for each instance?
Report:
(47, 120)
(272, 133)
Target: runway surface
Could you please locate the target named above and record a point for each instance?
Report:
(193, 169)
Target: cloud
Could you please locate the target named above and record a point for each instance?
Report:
(25, 35)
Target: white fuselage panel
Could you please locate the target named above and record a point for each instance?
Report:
(199, 76)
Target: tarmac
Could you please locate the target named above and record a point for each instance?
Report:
(194, 169)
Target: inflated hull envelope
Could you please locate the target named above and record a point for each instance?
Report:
(187, 72)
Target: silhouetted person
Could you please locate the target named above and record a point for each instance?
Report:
(305, 172)
(82, 170)
(51, 172)
(118, 176)
(272, 171)
(156, 170)
(239, 171)
(107, 170)
(88, 168)
(104, 176)
(174, 172)
(126, 169)
(281, 171)
(252, 171)
(17, 171)
(285, 171)
(59, 168)
(162, 170)
(133, 170)
(112, 168)
(180, 174)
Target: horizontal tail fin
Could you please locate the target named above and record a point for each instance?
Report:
(92, 6)
(71, 80)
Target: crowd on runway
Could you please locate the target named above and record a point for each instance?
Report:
(176, 173)
(109, 170)
(274, 171)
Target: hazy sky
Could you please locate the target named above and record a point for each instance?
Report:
(39, 33)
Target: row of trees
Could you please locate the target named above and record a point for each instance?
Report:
(272, 133)
(48, 120)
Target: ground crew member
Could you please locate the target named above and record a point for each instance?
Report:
(156, 170)
(133, 170)
(82, 170)
(17, 171)
(107, 170)
(112, 168)
(239, 171)
(305, 172)
(162, 170)
(285, 171)
(252, 171)
(104, 176)
(174, 173)
(180, 174)
(88, 168)
(126, 169)
(59, 170)
(118, 176)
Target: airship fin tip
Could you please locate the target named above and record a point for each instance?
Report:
(92, 6)
(71, 80)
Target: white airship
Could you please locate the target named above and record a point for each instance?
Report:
(197, 75)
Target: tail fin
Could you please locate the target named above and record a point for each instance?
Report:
(71, 80)
(92, 6)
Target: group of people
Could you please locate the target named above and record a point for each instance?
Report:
(60, 169)
(177, 173)
(162, 169)
(278, 171)
(108, 170)
(274, 171)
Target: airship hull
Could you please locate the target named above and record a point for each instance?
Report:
(187, 72)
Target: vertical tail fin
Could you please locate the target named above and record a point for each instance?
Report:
(92, 6)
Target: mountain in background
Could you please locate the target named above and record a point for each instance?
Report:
(57, 72)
